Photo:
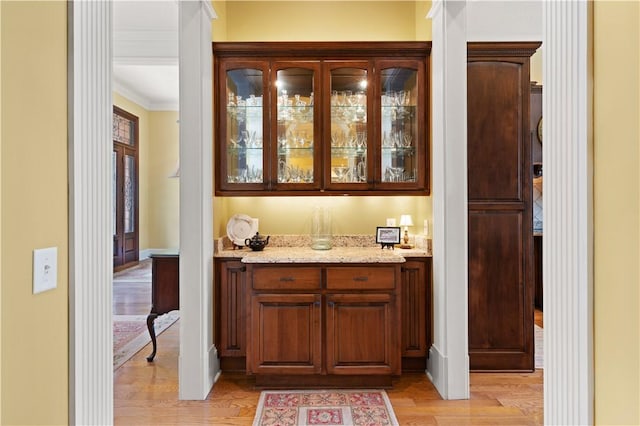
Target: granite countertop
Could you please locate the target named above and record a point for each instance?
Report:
(281, 252)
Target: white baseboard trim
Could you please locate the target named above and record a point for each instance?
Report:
(436, 370)
(214, 366)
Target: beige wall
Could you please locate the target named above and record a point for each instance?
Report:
(163, 192)
(350, 215)
(34, 328)
(617, 212)
(322, 20)
(159, 195)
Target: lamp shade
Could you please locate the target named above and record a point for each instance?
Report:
(406, 220)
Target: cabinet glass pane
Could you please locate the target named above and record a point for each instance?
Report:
(348, 125)
(399, 125)
(294, 111)
(244, 126)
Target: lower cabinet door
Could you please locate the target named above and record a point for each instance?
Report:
(285, 334)
(362, 334)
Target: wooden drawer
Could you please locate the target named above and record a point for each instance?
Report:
(361, 278)
(286, 278)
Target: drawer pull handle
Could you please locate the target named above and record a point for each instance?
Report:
(363, 278)
(287, 279)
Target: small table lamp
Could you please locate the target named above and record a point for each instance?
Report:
(406, 221)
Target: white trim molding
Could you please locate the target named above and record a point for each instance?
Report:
(90, 238)
(568, 213)
(198, 363)
(448, 366)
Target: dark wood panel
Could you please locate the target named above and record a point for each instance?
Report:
(286, 334)
(362, 334)
(500, 302)
(289, 278)
(495, 148)
(232, 310)
(414, 309)
(373, 277)
(496, 298)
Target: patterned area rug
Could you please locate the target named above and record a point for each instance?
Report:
(539, 346)
(130, 334)
(320, 407)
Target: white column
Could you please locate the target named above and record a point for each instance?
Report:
(568, 212)
(90, 209)
(448, 366)
(198, 362)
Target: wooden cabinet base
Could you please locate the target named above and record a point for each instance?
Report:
(283, 381)
(414, 364)
(235, 364)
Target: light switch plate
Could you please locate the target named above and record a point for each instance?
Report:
(45, 269)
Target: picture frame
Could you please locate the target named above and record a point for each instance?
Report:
(388, 235)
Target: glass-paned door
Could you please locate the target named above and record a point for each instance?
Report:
(124, 159)
(349, 140)
(402, 124)
(297, 159)
(245, 126)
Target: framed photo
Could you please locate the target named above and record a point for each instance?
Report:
(388, 235)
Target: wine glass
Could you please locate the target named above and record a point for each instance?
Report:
(341, 173)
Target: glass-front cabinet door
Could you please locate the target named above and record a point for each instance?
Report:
(401, 129)
(243, 126)
(295, 127)
(348, 136)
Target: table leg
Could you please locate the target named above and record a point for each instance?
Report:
(152, 332)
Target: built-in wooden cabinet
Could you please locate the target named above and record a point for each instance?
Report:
(312, 324)
(321, 117)
(500, 207)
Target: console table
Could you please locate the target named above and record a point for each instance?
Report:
(165, 290)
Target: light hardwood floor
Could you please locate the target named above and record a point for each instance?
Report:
(147, 393)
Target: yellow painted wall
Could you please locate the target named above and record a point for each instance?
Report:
(423, 25)
(34, 328)
(535, 66)
(0, 211)
(617, 212)
(320, 20)
(350, 215)
(333, 21)
(163, 192)
(219, 25)
(143, 164)
(159, 195)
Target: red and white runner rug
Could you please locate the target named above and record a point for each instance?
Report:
(324, 407)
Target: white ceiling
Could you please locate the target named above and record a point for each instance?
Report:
(145, 52)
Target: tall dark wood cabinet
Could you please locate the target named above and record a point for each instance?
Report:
(500, 207)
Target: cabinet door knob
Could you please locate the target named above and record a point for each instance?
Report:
(287, 279)
(361, 278)
(331, 304)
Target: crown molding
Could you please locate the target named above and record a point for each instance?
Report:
(131, 94)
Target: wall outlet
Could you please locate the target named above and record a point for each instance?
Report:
(45, 269)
